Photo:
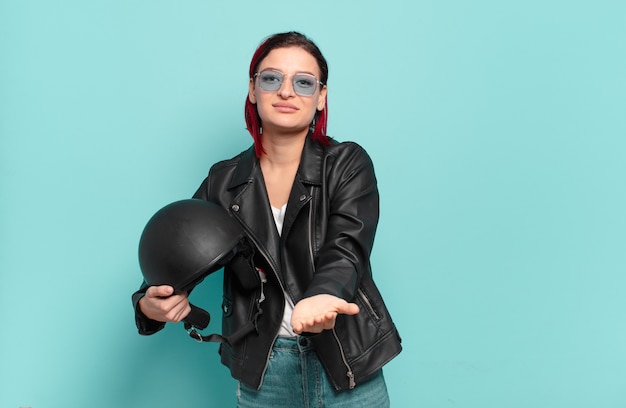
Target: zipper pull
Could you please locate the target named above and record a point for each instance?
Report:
(263, 277)
(351, 378)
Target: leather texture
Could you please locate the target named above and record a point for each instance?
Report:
(328, 235)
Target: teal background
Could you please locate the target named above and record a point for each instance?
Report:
(498, 134)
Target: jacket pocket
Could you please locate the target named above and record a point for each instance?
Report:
(367, 304)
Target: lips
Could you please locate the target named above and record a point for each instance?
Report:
(285, 107)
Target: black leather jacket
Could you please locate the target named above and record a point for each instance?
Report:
(328, 234)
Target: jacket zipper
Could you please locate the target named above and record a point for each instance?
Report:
(311, 232)
(349, 374)
(269, 353)
(267, 359)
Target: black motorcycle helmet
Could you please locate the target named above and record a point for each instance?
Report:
(183, 243)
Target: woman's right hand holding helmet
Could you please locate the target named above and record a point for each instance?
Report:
(161, 304)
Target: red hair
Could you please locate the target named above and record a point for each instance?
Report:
(290, 39)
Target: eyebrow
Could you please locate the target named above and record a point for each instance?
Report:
(297, 72)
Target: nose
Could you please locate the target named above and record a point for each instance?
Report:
(286, 88)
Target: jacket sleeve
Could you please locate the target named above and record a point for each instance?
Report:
(352, 210)
(145, 325)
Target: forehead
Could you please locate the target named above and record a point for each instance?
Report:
(290, 60)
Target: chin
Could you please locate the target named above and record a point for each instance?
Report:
(289, 127)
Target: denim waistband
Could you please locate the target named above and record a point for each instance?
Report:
(299, 343)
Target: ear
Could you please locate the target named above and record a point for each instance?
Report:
(321, 100)
(251, 95)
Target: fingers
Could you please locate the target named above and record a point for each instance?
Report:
(317, 324)
(319, 312)
(347, 308)
(162, 305)
(175, 308)
(160, 291)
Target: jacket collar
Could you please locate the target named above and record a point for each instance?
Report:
(245, 168)
(310, 170)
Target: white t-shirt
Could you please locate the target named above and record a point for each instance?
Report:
(285, 328)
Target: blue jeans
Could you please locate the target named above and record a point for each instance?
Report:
(295, 378)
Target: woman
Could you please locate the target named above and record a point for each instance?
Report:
(309, 206)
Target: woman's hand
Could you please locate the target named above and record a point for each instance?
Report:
(318, 313)
(159, 303)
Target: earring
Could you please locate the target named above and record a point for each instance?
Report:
(312, 125)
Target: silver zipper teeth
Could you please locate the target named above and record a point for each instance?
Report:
(267, 359)
(269, 353)
(367, 303)
(310, 233)
(268, 262)
(349, 374)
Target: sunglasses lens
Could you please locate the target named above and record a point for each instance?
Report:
(303, 84)
(270, 80)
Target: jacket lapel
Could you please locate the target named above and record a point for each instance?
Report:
(251, 207)
(309, 173)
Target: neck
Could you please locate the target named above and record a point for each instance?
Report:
(282, 150)
(280, 164)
